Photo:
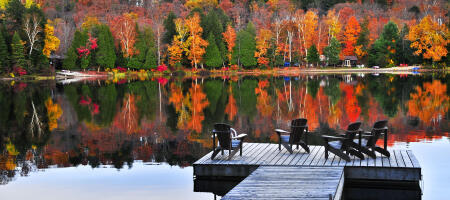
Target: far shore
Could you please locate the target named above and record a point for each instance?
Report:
(200, 72)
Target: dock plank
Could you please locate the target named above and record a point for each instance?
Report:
(278, 182)
(413, 158)
(399, 158)
(406, 158)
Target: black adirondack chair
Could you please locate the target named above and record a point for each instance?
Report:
(228, 140)
(294, 137)
(368, 144)
(343, 144)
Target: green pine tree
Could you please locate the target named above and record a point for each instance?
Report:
(244, 51)
(212, 56)
(383, 51)
(105, 55)
(4, 54)
(18, 55)
(313, 55)
(363, 38)
(70, 62)
(169, 26)
(332, 51)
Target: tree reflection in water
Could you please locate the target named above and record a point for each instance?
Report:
(102, 123)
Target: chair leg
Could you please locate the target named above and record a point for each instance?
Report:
(279, 146)
(288, 147)
(356, 153)
(240, 149)
(304, 146)
(382, 151)
(297, 146)
(222, 151)
(326, 151)
(215, 152)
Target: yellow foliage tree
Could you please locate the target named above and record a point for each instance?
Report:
(3, 3)
(201, 3)
(430, 39)
(197, 43)
(89, 22)
(334, 26)
(51, 41)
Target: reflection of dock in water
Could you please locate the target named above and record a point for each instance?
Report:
(270, 173)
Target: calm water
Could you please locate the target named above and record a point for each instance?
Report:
(137, 139)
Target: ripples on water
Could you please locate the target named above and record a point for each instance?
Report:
(129, 138)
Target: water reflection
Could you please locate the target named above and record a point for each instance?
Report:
(114, 123)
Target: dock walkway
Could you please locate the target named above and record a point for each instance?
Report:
(274, 182)
(270, 165)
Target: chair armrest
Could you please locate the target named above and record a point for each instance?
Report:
(366, 135)
(240, 136)
(333, 137)
(281, 131)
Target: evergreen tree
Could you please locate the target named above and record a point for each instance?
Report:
(14, 14)
(18, 55)
(4, 54)
(71, 61)
(313, 55)
(105, 55)
(151, 59)
(145, 43)
(332, 51)
(363, 38)
(212, 56)
(384, 49)
(244, 51)
(213, 23)
(169, 25)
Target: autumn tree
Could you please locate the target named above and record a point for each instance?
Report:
(262, 45)
(334, 26)
(430, 39)
(332, 51)
(123, 29)
(230, 37)
(306, 27)
(196, 43)
(17, 51)
(351, 34)
(51, 41)
(179, 44)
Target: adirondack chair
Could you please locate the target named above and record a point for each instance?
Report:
(294, 137)
(368, 144)
(343, 144)
(228, 140)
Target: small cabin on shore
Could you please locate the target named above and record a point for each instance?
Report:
(349, 61)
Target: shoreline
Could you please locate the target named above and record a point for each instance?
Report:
(201, 72)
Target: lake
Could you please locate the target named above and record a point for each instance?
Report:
(137, 139)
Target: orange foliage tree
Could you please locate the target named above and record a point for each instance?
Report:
(230, 37)
(262, 44)
(430, 39)
(306, 27)
(123, 29)
(179, 44)
(196, 43)
(351, 36)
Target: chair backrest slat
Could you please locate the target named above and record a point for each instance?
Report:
(379, 127)
(223, 132)
(298, 127)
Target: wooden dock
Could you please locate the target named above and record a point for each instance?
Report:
(274, 182)
(266, 158)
